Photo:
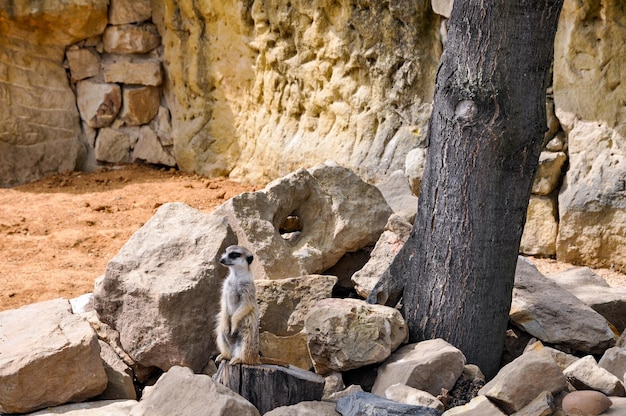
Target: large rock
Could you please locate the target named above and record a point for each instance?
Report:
(182, 393)
(48, 356)
(479, 405)
(586, 374)
(614, 361)
(408, 395)
(539, 236)
(367, 404)
(588, 81)
(428, 365)
(553, 315)
(97, 408)
(150, 149)
(593, 290)
(337, 330)
(305, 409)
(113, 146)
(39, 123)
(265, 89)
(399, 196)
(522, 380)
(328, 202)
(162, 290)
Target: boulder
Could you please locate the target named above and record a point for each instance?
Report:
(610, 302)
(162, 290)
(140, 104)
(98, 408)
(585, 403)
(614, 361)
(150, 150)
(367, 404)
(586, 374)
(429, 365)
(522, 380)
(127, 69)
(129, 11)
(305, 409)
(479, 405)
(402, 393)
(399, 196)
(588, 80)
(549, 172)
(131, 38)
(553, 315)
(388, 245)
(337, 330)
(113, 146)
(181, 392)
(46, 342)
(328, 200)
(540, 230)
(83, 63)
(98, 103)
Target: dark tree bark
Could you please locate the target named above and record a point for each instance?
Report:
(485, 132)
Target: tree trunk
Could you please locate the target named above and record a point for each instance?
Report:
(486, 133)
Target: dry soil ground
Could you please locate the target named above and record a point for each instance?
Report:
(57, 234)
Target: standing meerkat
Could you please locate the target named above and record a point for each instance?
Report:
(238, 321)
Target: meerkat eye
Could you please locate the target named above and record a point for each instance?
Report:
(234, 255)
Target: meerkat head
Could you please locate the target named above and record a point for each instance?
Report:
(236, 256)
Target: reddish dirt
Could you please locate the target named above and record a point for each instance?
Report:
(57, 234)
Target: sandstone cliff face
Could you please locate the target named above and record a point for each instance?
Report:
(260, 88)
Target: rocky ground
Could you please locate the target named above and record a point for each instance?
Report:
(57, 234)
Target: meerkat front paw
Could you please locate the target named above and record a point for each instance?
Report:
(221, 357)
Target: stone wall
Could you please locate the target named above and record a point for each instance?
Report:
(255, 89)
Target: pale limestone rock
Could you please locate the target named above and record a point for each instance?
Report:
(586, 403)
(610, 302)
(337, 329)
(402, 393)
(414, 166)
(522, 380)
(348, 391)
(333, 384)
(162, 290)
(288, 348)
(98, 103)
(140, 104)
(48, 356)
(614, 361)
(112, 146)
(557, 144)
(284, 303)
(129, 69)
(388, 245)
(562, 359)
(428, 365)
(150, 150)
(97, 408)
(540, 231)
(129, 11)
(120, 377)
(108, 334)
(618, 408)
(367, 404)
(442, 7)
(479, 405)
(586, 374)
(347, 83)
(328, 199)
(131, 38)
(305, 409)
(181, 392)
(83, 62)
(542, 405)
(398, 194)
(553, 315)
(548, 172)
(588, 81)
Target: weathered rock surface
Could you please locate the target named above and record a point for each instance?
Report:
(337, 330)
(113, 146)
(588, 80)
(536, 370)
(131, 38)
(414, 166)
(542, 405)
(329, 201)
(553, 315)
(45, 342)
(586, 374)
(585, 403)
(367, 404)
(388, 245)
(124, 11)
(402, 393)
(305, 409)
(140, 104)
(127, 69)
(119, 375)
(292, 349)
(99, 408)
(548, 172)
(540, 230)
(98, 103)
(399, 196)
(161, 291)
(83, 62)
(181, 392)
(610, 302)
(428, 365)
(614, 361)
(479, 405)
(150, 149)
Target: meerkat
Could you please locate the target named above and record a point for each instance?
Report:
(238, 321)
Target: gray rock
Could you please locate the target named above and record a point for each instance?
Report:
(367, 404)
(402, 393)
(428, 365)
(48, 356)
(618, 408)
(337, 330)
(162, 290)
(614, 361)
(521, 381)
(329, 201)
(553, 315)
(98, 408)
(542, 405)
(120, 376)
(610, 302)
(112, 146)
(399, 196)
(479, 405)
(150, 150)
(305, 409)
(586, 374)
(182, 393)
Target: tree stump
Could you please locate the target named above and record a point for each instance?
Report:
(270, 386)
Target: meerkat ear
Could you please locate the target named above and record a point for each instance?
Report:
(250, 258)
